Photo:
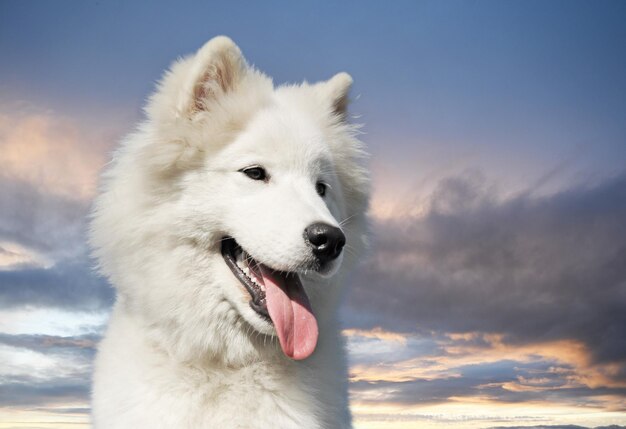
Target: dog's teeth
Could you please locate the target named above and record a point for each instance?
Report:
(249, 267)
(259, 284)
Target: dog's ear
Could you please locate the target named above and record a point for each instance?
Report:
(336, 90)
(215, 70)
(194, 85)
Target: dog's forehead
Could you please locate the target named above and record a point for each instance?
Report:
(289, 134)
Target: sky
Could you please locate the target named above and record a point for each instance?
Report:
(494, 294)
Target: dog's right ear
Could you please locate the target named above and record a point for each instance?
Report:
(195, 83)
(215, 70)
(193, 86)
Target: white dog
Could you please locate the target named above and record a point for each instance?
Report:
(226, 222)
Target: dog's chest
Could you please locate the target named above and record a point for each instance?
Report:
(255, 396)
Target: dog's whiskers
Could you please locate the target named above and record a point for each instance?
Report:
(351, 250)
(346, 220)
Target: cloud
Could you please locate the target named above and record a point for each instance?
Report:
(40, 226)
(13, 255)
(50, 164)
(488, 383)
(376, 333)
(81, 345)
(42, 244)
(558, 427)
(466, 296)
(45, 371)
(33, 393)
(450, 419)
(68, 285)
(498, 301)
(50, 151)
(439, 370)
(534, 269)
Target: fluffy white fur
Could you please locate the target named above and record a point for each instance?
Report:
(183, 348)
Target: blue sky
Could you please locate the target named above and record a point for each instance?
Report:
(498, 146)
(517, 89)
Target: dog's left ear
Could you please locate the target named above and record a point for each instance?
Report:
(336, 91)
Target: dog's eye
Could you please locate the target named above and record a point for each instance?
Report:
(255, 173)
(320, 187)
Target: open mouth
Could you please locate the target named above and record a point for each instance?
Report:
(247, 271)
(276, 296)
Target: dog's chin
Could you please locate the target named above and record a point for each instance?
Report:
(329, 269)
(258, 323)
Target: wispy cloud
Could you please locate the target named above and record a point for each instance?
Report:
(83, 345)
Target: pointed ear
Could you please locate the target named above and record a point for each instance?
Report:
(193, 85)
(216, 69)
(336, 91)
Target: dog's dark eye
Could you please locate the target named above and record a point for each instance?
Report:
(255, 173)
(320, 187)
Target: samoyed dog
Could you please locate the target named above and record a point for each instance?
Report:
(226, 223)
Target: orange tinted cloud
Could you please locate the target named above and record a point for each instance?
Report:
(566, 352)
(377, 400)
(572, 360)
(13, 255)
(51, 152)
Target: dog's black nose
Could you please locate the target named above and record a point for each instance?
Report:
(326, 241)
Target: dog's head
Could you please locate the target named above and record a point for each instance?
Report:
(230, 210)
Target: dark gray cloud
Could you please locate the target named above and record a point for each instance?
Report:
(53, 227)
(532, 268)
(417, 391)
(30, 393)
(70, 285)
(49, 224)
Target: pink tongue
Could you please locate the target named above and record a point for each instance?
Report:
(291, 313)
